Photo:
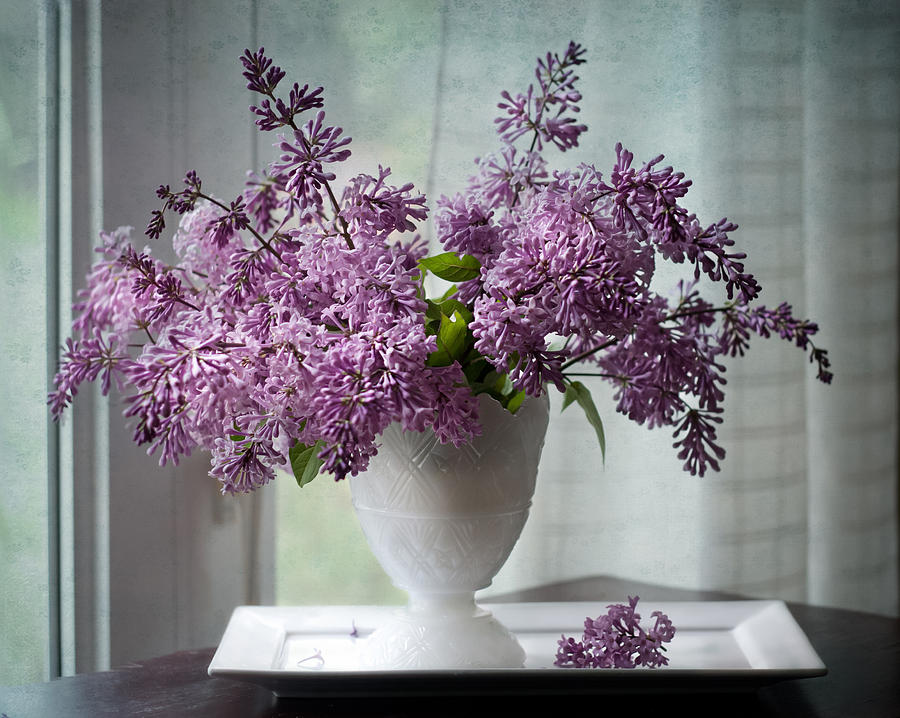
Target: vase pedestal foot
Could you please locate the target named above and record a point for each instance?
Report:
(442, 631)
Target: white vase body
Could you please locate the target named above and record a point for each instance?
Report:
(442, 521)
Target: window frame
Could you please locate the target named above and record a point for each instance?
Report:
(143, 560)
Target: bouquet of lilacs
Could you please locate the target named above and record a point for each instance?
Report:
(295, 327)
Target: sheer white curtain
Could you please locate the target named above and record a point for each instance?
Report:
(851, 125)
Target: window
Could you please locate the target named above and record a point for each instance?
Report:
(321, 555)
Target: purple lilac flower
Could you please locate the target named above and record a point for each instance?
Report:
(223, 228)
(455, 407)
(84, 360)
(363, 384)
(742, 319)
(172, 379)
(262, 76)
(698, 448)
(371, 206)
(646, 203)
(181, 202)
(518, 119)
(556, 276)
(304, 159)
(203, 258)
(556, 77)
(263, 202)
(530, 112)
(466, 227)
(107, 303)
(299, 100)
(296, 315)
(248, 267)
(247, 459)
(504, 178)
(156, 285)
(617, 640)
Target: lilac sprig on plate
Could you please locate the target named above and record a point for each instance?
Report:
(617, 640)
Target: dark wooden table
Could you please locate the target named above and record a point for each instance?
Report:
(861, 651)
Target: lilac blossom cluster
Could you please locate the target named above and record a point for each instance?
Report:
(571, 254)
(294, 326)
(617, 640)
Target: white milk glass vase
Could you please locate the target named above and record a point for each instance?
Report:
(442, 521)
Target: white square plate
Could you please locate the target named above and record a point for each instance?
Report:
(314, 651)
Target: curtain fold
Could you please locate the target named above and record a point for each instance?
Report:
(851, 154)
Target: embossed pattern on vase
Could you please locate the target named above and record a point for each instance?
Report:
(441, 518)
(442, 554)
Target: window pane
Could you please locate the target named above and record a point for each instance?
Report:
(379, 87)
(23, 420)
(322, 557)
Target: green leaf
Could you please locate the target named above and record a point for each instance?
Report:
(504, 385)
(452, 267)
(432, 317)
(305, 462)
(475, 370)
(515, 401)
(570, 396)
(440, 357)
(576, 391)
(451, 336)
(438, 313)
(490, 377)
(449, 306)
